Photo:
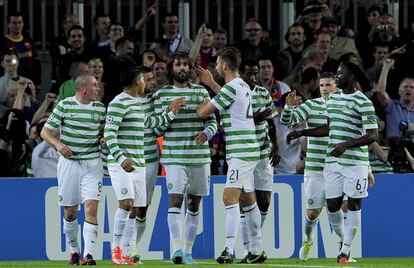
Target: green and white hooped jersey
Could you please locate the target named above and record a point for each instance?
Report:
(349, 115)
(179, 146)
(315, 114)
(261, 100)
(124, 129)
(150, 139)
(234, 101)
(81, 126)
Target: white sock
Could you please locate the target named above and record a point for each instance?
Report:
(190, 229)
(253, 220)
(310, 227)
(70, 228)
(263, 215)
(90, 234)
(336, 220)
(120, 220)
(245, 234)
(174, 224)
(232, 225)
(140, 225)
(353, 223)
(128, 237)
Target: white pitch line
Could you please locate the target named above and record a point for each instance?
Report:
(280, 265)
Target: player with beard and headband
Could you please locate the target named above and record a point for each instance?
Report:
(185, 155)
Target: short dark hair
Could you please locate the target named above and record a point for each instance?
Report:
(122, 41)
(144, 69)
(248, 62)
(220, 30)
(231, 56)
(328, 75)
(358, 74)
(296, 24)
(128, 76)
(76, 27)
(373, 8)
(14, 14)
(308, 75)
(9, 53)
(100, 15)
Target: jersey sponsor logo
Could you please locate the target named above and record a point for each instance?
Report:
(372, 117)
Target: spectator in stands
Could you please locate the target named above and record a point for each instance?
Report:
(8, 83)
(313, 58)
(159, 68)
(178, 43)
(10, 64)
(340, 45)
(289, 57)
(203, 51)
(311, 18)
(96, 69)
(308, 86)
(148, 57)
(323, 43)
(68, 88)
(116, 31)
(60, 44)
(13, 133)
(78, 52)
(397, 110)
(151, 12)
(122, 60)
(380, 50)
(161, 48)
(102, 23)
(219, 38)
(252, 47)
(276, 88)
(23, 46)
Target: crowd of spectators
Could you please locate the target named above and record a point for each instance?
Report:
(317, 43)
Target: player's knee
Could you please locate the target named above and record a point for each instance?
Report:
(354, 204)
(334, 204)
(71, 213)
(313, 214)
(263, 204)
(126, 204)
(175, 200)
(193, 203)
(141, 212)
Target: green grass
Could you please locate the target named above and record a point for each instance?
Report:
(289, 263)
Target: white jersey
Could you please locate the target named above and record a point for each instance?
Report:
(234, 101)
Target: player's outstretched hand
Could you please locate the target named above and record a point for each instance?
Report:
(205, 76)
(292, 99)
(127, 165)
(200, 138)
(177, 104)
(64, 150)
(293, 136)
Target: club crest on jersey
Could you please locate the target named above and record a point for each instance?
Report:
(51, 117)
(95, 117)
(109, 119)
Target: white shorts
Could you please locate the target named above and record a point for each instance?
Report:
(151, 172)
(79, 180)
(129, 185)
(314, 190)
(263, 176)
(340, 180)
(240, 174)
(194, 180)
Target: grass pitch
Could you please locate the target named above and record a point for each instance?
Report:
(289, 263)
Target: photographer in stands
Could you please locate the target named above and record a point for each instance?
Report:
(400, 117)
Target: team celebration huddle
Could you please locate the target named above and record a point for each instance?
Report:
(122, 140)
